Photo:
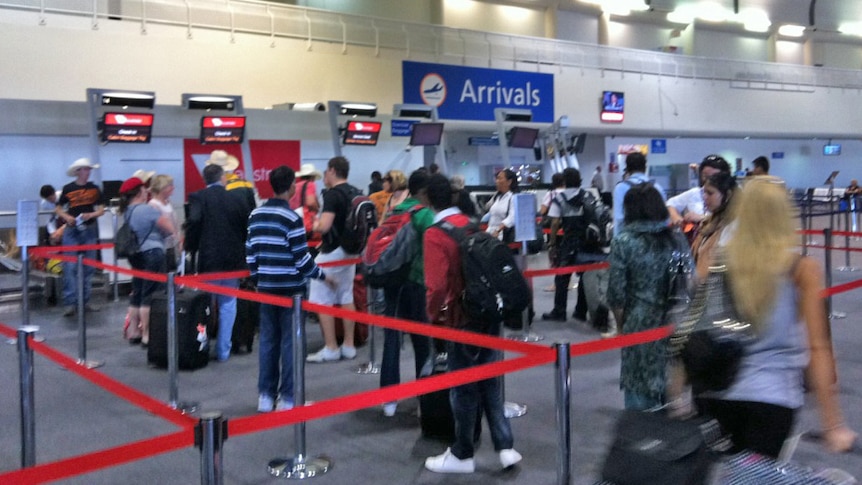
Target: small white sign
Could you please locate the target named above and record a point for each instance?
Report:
(27, 233)
(525, 217)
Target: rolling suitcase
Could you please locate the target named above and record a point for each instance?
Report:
(246, 323)
(194, 315)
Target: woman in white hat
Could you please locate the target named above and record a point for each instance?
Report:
(80, 205)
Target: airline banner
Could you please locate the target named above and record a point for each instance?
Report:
(472, 93)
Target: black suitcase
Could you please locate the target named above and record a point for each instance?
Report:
(245, 326)
(193, 309)
(435, 411)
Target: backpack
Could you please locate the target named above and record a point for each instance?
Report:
(680, 270)
(390, 250)
(126, 242)
(360, 222)
(494, 287)
(591, 222)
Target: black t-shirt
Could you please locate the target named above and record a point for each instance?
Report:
(81, 199)
(337, 200)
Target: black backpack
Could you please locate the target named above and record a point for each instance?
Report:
(494, 287)
(360, 222)
(590, 223)
(126, 243)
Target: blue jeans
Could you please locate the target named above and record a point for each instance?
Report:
(276, 348)
(74, 237)
(152, 260)
(409, 305)
(468, 399)
(226, 317)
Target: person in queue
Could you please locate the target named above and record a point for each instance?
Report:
(637, 294)
(233, 182)
(779, 293)
(444, 283)
(408, 300)
(686, 209)
(161, 188)
(718, 191)
(633, 174)
(280, 264)
(398, 192)
(152, 228)
(499, 208)
(462, 197)
(760, 166)
(216, 229)
(331, 223)
(80, 205)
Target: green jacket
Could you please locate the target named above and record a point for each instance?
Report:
(421, 220)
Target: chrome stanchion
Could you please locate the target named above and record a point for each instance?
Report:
(369, 367)
(299, 467)
(115, 276)
(210, 435)
(82, 320)
(28, 403)
(526, 333)
(802, 217)
(174, 352)
(827, 266)
(564, 420)
(847, 266)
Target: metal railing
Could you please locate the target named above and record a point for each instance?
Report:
(443, 44)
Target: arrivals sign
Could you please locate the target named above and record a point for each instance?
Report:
(472, 93)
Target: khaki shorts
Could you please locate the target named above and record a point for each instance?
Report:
(320, 293)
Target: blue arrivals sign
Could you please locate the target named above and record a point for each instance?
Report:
(472, 93)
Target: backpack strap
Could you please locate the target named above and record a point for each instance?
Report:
(128, 217)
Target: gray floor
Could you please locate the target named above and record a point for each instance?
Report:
(75, 417)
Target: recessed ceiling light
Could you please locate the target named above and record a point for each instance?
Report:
(851, 28)
(791, 30)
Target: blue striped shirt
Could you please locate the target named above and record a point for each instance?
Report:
(276, 250)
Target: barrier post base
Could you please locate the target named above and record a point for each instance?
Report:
(847, 268)
(90, 364)
(185, 407)
(837, 315)
(299, 468)
(368, 368)
(514, 410)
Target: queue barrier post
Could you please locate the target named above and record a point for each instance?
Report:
(210, 435)
(803, 221)
(847, 266)
(827, 267)
(115, 281)
(526, 333)
(299, 467)
(174, 350)
(564, 420)
(28, 404)
(82, 320)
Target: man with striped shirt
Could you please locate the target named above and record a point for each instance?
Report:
(278, 258)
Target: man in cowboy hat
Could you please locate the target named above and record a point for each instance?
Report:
(216, 229)
(233, 183)
(80, 204)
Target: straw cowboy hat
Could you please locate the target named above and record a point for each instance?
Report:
(72, 171)
(226, 161)
(308, 170)
(144, 175)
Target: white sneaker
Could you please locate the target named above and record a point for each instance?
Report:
(324, 355)
(283, 405)
(449, 463)
(389, 409)
(508, 458)
(348, 352)
(264, 403)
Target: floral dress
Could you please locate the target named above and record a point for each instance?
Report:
(638, 283)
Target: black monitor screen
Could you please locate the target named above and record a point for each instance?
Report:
(613, 106)
(426, 134)
(362, 133)
(111, 189)
(127, 127)
(523, 137)
(222, 129)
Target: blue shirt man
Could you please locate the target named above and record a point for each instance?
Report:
(634, 173)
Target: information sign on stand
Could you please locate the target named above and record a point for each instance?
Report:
(524, 206)
(27, 229)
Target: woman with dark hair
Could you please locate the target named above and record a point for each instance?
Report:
(151, 227)
(718, 191)
(499, 208)
(638, 287)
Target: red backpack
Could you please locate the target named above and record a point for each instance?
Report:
(393, 269)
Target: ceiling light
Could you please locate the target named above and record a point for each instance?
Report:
(754, 20)
(791, 30)
(684, 14)
(851, 28)
(128, 98)
(712, 12)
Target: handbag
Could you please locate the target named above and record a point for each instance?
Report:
(651, 448)
(711, 338)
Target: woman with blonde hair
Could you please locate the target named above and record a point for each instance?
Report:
(779, 293)
(161, 189)
(397, 182)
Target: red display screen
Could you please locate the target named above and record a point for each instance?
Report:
(222, 129)
(362, 133)
(127, 127)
